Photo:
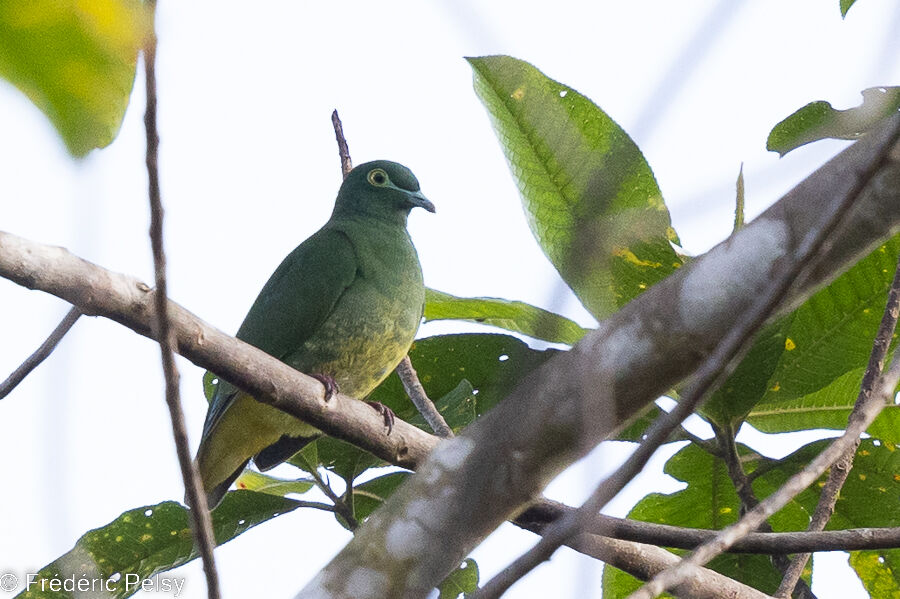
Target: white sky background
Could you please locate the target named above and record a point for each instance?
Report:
(249, 169)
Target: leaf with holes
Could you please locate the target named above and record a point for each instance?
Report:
(76, 61)
(148, 540)
(461, 582)
(518, 317)
(868, 499)
(590, 197)
(708, 501)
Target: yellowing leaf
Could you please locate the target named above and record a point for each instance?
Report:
(76, 60)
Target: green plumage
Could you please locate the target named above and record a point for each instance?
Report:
(346, 304)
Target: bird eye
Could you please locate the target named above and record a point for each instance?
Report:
(378, 177)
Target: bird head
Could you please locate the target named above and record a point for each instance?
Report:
(381, 189)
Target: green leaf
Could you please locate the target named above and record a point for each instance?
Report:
(148, 540)
(210, 382)
(462, 581)
(513, 316)
(827, 408)
(818, 120)
(734, 399)
(829, 336)
(709, 501)
(263, 483)
(590, 197)
(75, 60)
(368, 496)
(845, 6)
(868, 499)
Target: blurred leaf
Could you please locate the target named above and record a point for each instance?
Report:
(75, 60)
(818, 120)
(590, 197)
(263, 483)
(148, 540)
(462, 581)
(210, 382)
(739, 201)
(513, 316)
(732, 401)
(368, 496)
(845, 6)
(636, 430)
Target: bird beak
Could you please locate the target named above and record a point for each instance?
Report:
(417, 199)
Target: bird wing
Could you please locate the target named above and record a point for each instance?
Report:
(297, 298)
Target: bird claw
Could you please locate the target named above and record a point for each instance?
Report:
(331, 386)
(386, 413)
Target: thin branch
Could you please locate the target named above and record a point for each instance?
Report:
(644, 561)
(742, 486)
(343, 150)
(872, 405)
(663, 535)
(200, 517)
(714, 369)
(40, 354)
(340, 506)
(405, 369)
(841, 468)
(420, 399)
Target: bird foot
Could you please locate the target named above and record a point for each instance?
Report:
(386, 413)
(331, 386)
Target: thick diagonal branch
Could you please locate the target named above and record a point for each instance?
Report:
(575, 400)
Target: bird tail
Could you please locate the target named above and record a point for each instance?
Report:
(281, 451)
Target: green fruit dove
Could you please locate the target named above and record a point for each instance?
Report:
(343, 307)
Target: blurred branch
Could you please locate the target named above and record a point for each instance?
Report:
(40, 354)
(712, 372)
(841, 468)
(201, 522)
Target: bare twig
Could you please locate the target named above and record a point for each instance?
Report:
(420, 399)
(405, 369)
(644, 561)
(726, 437)
(343, 150)
(40, 354)
(841, 468)
(340, 506)
(717, 366)
(200, 517)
